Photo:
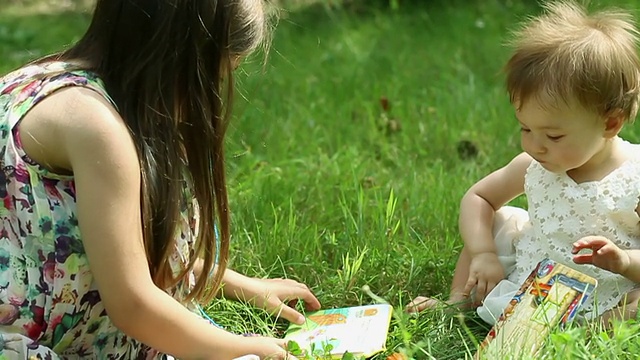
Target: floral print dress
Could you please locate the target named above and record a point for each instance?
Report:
(50, 307)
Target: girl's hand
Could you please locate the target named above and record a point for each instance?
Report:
(279, 296)
(604, 254)
(485, 272)
(268, 348)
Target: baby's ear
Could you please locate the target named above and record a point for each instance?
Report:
(614, 121)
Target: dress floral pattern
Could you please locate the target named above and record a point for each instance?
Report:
(49, 304)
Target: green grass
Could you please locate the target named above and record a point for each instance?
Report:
(328, 191)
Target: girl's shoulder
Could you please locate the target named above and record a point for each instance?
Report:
(31, 72)
(37, 80)
(45, 101)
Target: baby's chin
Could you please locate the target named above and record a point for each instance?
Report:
(547, 166)
(554, 168)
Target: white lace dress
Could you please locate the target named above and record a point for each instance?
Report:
(562, 211)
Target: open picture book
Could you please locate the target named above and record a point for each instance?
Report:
(359, 330)
(551, 296)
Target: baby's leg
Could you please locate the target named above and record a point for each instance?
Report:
(505, 224)
(626, 310)
(457, 296)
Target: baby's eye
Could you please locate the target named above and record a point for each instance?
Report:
(525, 130)
(555, 138)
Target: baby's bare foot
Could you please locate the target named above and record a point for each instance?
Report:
(421, 303)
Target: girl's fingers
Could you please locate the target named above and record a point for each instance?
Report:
(282, 343)
(296, 284)
(291, 291)
(288, 282)
(286, 355)
(290, 314)
(304, 294)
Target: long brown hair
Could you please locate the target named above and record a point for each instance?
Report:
(163, 63)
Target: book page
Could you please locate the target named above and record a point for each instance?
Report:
(358, 330)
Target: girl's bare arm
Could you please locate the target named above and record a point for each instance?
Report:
(92, 141)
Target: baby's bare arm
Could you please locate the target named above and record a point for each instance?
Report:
(477, 212)
(633, 270)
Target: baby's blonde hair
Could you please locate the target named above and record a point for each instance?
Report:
(566, 54)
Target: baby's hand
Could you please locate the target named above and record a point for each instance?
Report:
(485, 272)
(604, 254)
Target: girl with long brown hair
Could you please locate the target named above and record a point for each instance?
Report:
(113, 181)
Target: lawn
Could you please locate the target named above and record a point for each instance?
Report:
(328, 188)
